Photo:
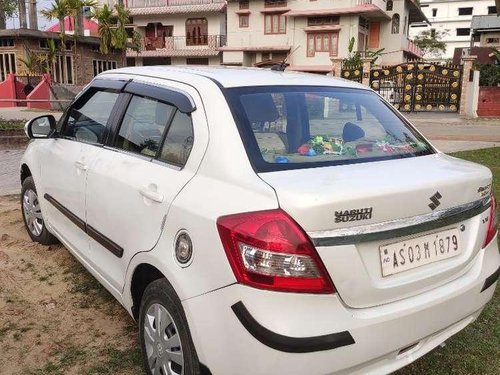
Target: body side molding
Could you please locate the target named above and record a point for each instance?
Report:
(93, 233)
(286, 343)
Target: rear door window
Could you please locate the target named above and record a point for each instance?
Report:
(289, 127)
(143, 126)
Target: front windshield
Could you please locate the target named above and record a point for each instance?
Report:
(289, 127)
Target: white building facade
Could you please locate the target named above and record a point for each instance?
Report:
(454, 18)
(263, 32)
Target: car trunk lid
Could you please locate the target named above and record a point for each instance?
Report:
(343, 199)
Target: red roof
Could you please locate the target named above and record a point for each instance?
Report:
(69, 25)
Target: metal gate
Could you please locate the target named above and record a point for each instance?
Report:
(352, 72)
(418, 87)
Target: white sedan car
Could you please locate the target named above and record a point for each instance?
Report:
(261, 222)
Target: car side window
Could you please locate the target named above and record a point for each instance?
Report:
(87, 119)
(143, 126)
(179, 140)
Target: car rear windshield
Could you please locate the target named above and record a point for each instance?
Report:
(291, 127)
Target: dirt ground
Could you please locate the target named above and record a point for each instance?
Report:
(54, 317)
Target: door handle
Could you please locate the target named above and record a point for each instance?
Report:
(81, 165)
(150, 194)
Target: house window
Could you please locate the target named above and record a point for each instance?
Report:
(7, 64)
(395, 24)
(364, 23)
(274, 3)
(492, 10)
(320, 21)
(43, 44)
(103, 65)
(274, 24)
(244, 19)
(389, 5)
(63, 72)
(463, 31)
(244, 4)
(6, 42)
(196, 61)
(434, 12)
(322, 42)
(433, 33)
(196, 31)
(492, 40)
(465, 11)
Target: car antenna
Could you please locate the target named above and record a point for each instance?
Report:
(282, 65)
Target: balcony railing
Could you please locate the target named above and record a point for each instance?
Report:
(413, 48)
(275, 3)
(162, 3)
(182, 42)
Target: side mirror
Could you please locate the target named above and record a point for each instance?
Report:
(40, 127)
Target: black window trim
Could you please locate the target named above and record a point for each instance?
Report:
(260, 166)
(177, 98)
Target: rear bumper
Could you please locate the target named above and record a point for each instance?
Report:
(318, 334)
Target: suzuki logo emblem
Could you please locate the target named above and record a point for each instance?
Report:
(435, 200)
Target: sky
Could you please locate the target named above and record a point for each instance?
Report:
(42, 22)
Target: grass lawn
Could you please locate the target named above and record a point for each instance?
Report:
(476, 349)
(11, 125)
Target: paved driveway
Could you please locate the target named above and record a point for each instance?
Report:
(9, 171)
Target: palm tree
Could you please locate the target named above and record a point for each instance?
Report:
(75, 10)
(59, 10)
(120, 36)
(104, 17)
(32, 65)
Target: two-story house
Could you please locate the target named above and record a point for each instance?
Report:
(177, 31)
(312, 32)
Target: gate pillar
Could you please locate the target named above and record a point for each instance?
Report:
(336, 66)
(464, 96)
(367, 66)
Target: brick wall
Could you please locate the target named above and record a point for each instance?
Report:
(82, 60)
(489, 97)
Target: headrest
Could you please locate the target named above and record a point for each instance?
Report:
(260, 107)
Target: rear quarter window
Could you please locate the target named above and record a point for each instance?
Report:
(289, 127)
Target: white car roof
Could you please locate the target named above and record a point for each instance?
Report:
(234, 76)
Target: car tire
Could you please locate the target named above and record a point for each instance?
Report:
(32, 214)
(160, 349)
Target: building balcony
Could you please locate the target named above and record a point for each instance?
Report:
(148, 7)
(410, 47)
(204, 45)
(169, 3)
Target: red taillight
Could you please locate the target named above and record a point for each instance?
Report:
(492, 222)
(269, 250)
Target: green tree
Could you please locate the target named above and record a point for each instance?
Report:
(112, 29)
(7, 9)
(75, 10)
(431, 43)
(59, 9)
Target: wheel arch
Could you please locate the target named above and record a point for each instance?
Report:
(25, 172)
(143, 275)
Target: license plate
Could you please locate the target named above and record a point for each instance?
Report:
(416, 252)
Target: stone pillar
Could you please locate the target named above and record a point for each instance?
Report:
(336, 66)
(367, 66)
(464, 95)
